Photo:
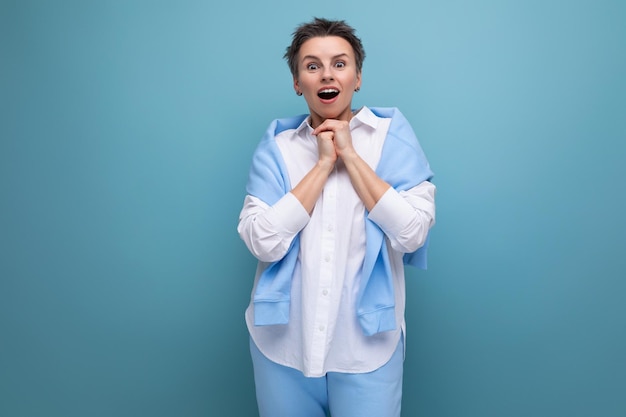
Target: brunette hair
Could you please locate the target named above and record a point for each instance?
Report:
(320, 27)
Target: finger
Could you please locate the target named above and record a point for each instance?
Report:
(332, 125)
(326, 135)
(326, 126)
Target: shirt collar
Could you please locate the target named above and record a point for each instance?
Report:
(362, 116)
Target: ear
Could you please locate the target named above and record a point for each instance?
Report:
(296, 85)
(358, 80)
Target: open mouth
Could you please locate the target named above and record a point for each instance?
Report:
(328, 93)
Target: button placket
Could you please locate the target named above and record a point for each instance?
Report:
(327, 268)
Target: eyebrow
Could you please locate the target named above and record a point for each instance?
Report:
(341, 55)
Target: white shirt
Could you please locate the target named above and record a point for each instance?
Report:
(323, 334)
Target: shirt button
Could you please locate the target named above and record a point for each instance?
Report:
(327, 258)
(330, 227)
(321, 328)
(325, 292)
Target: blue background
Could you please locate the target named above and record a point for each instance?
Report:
(127, 129)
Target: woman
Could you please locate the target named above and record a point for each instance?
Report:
(337, 202)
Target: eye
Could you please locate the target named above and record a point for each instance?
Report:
(340, 64)
(312, 66)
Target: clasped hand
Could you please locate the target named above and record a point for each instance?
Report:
(334, 140)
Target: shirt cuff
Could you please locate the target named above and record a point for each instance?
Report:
(289, 214)
(392, 213)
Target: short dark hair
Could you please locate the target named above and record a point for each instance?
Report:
(320, 27)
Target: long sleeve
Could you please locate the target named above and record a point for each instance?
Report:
(406, 216)
(269, 230)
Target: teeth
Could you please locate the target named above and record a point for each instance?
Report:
(329, 91)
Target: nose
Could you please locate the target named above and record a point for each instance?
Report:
(327, 74)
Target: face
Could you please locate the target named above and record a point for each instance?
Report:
(327, 77)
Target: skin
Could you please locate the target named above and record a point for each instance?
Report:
(328, 62)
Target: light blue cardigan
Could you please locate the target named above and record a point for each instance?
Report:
(402, 164)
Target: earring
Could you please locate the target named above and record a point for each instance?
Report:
(356, 90)
(298, 93)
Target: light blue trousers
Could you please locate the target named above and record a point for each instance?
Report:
(285, 392)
